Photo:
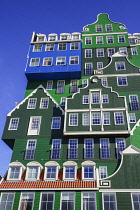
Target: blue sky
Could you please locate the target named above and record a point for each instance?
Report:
(18, 19)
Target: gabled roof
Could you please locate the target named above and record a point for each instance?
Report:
(131, 150)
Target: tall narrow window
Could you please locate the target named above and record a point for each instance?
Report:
(88, 53)
(56, 122)
(13, 125)
(120, 146)
(119, 118)
(106, 118)
(88, 148)
(108, 27)
(96, 118)
(30, 150)
(132, 118)
(74, 86)
(60, 86)
(85, 119)
(73, 148)
(88, 68)
(67, 201)
(26, 201)
(47, 201)
(136, 201)
(56, 147)
(63, 101)
(49, 85)
(88, 201)
(109, 201)
(134, 51)
(105, 99)
(134, 102)
(7, 201)
(44, 102)
(102, 172)
(104, 82)
(84, 83)
(34, 125)
(104, 148)
(73, 119)
(95, 98)
(31, 103)
(85, 99)
(99, 65)
(88, 172)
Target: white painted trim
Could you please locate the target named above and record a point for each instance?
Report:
(119, 190)
(95, 109)
(97, 132)
(50, 189)
(104, 33)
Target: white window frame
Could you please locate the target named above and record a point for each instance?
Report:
(60, 88)
(30, 148)
(43, 37)
(53, 121)
(111, 28)
(89, 71)
(100, 171)
(36, 45)
(76, 115)
(104, 80)
(15, 165)
(26, 201)
(107, 148)
(6, 201)
(48, 85)
(118, 152)
(41, 103)
(115, 113)
(74, 46)
(92, 148)
(132, 117)
(97, 28)
(47, 59)
(33, 164)
(66, 192)
(108, 38)
(106, 98)
(119, 39)
(48, 47)
(63, 57)
(107, 113)
(109, 200)
(34, 131)
(36, 64)
(113, 49)
(65, 46)
(69, 164)
(84, 98)
(122, 81)
(74, 86)
(10, 124)
(97, 52)
(90, 53)
(134, 51)
(84, 83)
(74, 59)
(54, 37)
(76, 148)
(29, 103)
(41, 202)
(132, 201)
(63, 100)
(99, 114)
(88, 39)
(83, 119)
(98, 99)
(89, 201)
(134, 101)
(56, 148)
(123, 49)
(51, 164)
(88, 163)
(100, 64)
(120, 63)
(99, 40)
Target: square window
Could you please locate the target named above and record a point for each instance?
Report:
(56, 122)
(49, 85)
(85, 119)
(61, 61)
(67, 201)
(120, 66)
(14, 173)
(99, 40)
(74, 60)
(26, 201)
(119, 118)
(47, 61)
(111, 51)
(32, 173)
(134, 51)
(104, 148)
(56, 148)
(85, 99)
(7, 201)
(110, 39)
(104, 82)
(30, 150)
(69, 172)
(88, 148)
(109, 201)
(132, 118)
(105, 99)
(88, 68)
(34, 61)
(88, 53)
(60, 86)
(13, 124)
(121, 39)
(100, 52)
(123, 50)
(99, 28)
(73, 119)
(102, 172)
(62, 46)
(120, 146)
(106, 118)
(88, 172)
(51, 172)
(34, 125)
(99, 65)
(49, 47)
(95, 98)
(63, 101)
(74, 46)
(44, 103)
(96, 118)
(88, 40)
(122, 81)
(108, 27)
(37, 48)
(31, 103)
(73, 148)
(47, 201)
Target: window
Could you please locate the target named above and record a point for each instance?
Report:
(73, 119)
(88, 53)
(132, 118)
(134, 51)
(75, 36)
(110, 39)
(31, 103)
(122, 81)
(47, 61)
(40, 38)
(106, 118)
(120, 66)
(49, 85)
(56, 147)
(102, 172)
(96, 118)
(30, 150)
(104, 148)
(119, 119)
(108, 27)
(88, 172)
(60, 86)
(6, 201)
(34, 61)
(32, 173)
(135, 201)
(104, 82)
(95, 98)
(34, 125)
(52, 38)
(109, 201)
(67, 201)
(60, 60)
(88, 148)
(74, 86)
(121, 39)
(13, 124)
(73, 148)
(111, 51)
(88, 68)
(88, 40)
(99, 28)
(74, 46)
(99, 65)
(132, 41)
(63, 101)
(69, 172)
(44, 102)
(47, 201)
(15, 171)
(62, 46)
(85, 99)
(49, 47)
(37, 48)
(84, 83)
(88, 201)
(120, 146)
(51, 171)
(99, 40)
(85, 119)
(123, 50)
(26, 201)
(65, 36)
(74, 60)
(100, 52)
(56, 122)
(134, 102)
(105, 99)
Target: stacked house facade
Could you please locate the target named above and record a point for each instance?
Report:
(76, 135)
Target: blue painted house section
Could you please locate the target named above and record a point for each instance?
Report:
(70, 68)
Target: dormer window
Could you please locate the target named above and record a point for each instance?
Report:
(76, 36)
(15, 171)
(51, 171)
(33, 171)
(41, 38)
(52, 37)
(88, 170)
(65, 36)
(70, 171)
